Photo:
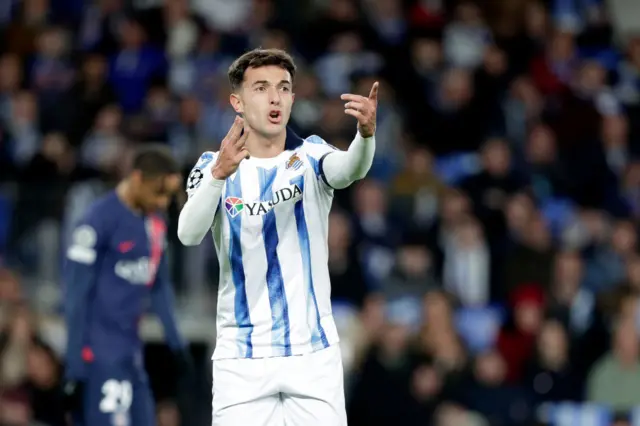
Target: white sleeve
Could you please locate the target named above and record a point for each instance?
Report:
(204, 192)
(341, 168)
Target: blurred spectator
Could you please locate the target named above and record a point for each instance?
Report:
(521, 109)
(44, 385)
(517, 340)
(182, 30)
(103, 143)
(551, 376)
(466, 37)
(548, 177)
(91, 94)
(387, 19)
(606, 267)
(530, 257)
(615, 379)
(412, 274)
(553, 69)
(490, 189)
(467, 265)
(52, 77)
(17, 337)
(100, 25)
(344, 269)
(380, 394)
(569, 299)
(345, 58)
(134, 66)
(23, 127)
(376, 233)
(490, 395)
(417, 191)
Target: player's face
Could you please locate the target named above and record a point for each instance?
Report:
(156, 194)
(265, 99)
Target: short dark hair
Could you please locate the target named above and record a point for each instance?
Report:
(155, 160)
(259, 58)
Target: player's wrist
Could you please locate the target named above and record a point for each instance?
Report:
(365, 138)
(218, 175)
(216, 183)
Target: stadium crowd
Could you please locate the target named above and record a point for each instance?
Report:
(485, 273)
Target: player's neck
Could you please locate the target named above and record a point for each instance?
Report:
(124, 193)
(260, 146)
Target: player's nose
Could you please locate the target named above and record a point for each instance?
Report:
(274, 98)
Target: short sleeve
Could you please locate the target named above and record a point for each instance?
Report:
(201, 172)
(316, 150)
(86, 239)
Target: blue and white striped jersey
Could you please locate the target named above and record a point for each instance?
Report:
(270, 232)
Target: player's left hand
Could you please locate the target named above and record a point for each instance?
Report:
(364, 110)
(73, 392)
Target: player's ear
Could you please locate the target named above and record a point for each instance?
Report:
(236, 103)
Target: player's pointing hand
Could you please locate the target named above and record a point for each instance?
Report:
(232, 151)
(364, 110)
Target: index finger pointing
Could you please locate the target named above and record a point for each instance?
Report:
(373, 95)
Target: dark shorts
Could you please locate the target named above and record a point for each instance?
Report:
(116, 395)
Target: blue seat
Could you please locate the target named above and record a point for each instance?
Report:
(479, 326)
(577, 414)
(454, 168)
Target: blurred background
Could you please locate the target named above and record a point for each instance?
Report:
(485, 273)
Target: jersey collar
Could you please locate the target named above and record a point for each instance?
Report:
(292, 141)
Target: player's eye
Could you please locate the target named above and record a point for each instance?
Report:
(261, 89)
(286, 89)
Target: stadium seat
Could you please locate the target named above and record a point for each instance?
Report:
(455, 167)
(558, 212)
(573, 414)
(479, 326)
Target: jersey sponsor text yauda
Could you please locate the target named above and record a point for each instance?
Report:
(236, 205)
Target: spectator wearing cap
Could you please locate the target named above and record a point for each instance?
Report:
(517, 340)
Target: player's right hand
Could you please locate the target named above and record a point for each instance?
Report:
(232, 151)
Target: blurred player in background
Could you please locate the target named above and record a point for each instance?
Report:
(115, 260)
(266, 196)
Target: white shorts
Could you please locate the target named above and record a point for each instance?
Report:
(303, 390)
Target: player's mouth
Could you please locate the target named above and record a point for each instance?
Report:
(275, 117)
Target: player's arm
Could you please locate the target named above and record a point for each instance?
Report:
(79, 275)
(341, 168)
(162, 304)
(205, 184)
(204, 193)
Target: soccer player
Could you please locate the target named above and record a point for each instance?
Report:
(266, 196)
(115, 261)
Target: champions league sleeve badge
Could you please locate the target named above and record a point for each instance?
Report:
(194, 179)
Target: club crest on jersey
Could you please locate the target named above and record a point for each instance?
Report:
(294, 162)
(235, 205)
